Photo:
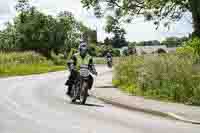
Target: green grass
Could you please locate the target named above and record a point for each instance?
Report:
(27, 69)
(26, 63)
(102, 60)
(99, 60)
(165, 77)
(21, 58)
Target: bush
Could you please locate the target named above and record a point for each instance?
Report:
(195, 44)
(116, 52)
(187, 50)
(58, 59)
(167, 77)
(125, 52)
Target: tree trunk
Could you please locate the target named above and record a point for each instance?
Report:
(195, 10)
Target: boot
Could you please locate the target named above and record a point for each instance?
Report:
(69, 90)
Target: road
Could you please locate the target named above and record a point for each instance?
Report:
(37, 104)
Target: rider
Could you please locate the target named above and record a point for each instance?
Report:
(82, 57)
(108, 55)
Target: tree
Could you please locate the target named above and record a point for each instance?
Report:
(119, 41)
(167, 11)
(67, 31)
(34, 30)
(125, 51)
(22, 7)
(193, 43)
(7, 38)
(132, 48)
(174, 41)
(92, 36)
(142, 43)
(113, 27)
(107, 41)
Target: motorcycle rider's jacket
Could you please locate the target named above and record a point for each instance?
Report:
(77, 61)
(87, 60)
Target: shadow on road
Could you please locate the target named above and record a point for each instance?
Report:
(104, 86)
(88, 104)
(94, 105)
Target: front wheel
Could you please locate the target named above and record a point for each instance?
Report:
(84, 92)
(74, 94)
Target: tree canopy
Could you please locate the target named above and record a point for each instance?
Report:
(114, 26)
(159, 11)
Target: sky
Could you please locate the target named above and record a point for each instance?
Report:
(137, 31)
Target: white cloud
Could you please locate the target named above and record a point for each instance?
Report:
(4, 7)
(6, 11)
(137, 31)
(140, 30)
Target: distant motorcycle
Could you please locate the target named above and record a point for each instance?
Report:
(109, 62)
(80, 88)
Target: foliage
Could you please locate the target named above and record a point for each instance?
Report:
(174, 41)
(125, 52)
(160, 11)
(148, 43)
(98, 50)
(195, 44)
(167, 77)
(119, 41)
(36, 31)
(113, 26)
(107, 41)
(185, 50)
(92, 36)
(58, 59)
(93, 49)
(115, 52)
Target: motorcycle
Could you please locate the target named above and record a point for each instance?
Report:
(109, 62)
(81, 86)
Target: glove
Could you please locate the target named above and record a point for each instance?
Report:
(95, 73)
(70, 65)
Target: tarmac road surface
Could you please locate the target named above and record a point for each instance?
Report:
(38, 104)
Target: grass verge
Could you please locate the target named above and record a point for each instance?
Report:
(25, 63)
(165, 77)
(27, 69)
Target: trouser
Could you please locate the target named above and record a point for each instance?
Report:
(90, 82)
